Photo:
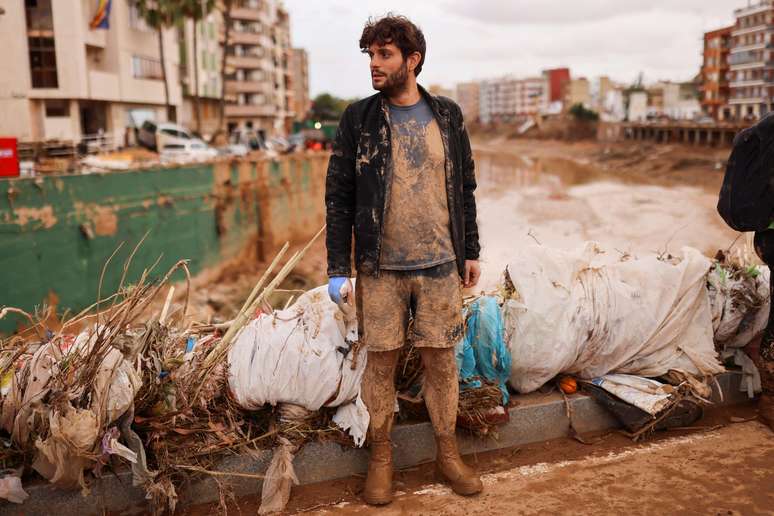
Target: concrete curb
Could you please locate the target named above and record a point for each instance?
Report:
(536, 418)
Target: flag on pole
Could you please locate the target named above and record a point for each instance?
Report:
(101, 18)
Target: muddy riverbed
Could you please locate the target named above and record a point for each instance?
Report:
(562, 195)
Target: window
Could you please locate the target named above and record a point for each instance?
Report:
(146, 68)
(57, 109)
(43, 63)
(40, 42)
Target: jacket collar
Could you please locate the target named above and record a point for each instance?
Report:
(438, 108)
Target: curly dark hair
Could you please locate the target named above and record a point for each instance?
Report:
(398, 30)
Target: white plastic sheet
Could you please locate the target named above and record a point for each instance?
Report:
(301, 355)
(589, 313)
(644, 393)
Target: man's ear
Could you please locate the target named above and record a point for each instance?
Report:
(412, 61)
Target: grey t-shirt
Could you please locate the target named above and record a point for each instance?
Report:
(416, 230)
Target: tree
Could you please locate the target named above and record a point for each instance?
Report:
(159, 15)
(196, 11)
(582, 114)
(328, 107)
(225, 7)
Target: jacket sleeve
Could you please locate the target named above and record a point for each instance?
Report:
(472, 247)
(340, 199)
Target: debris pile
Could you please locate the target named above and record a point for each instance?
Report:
(124, 384)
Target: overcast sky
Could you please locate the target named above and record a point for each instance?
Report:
(477, 39)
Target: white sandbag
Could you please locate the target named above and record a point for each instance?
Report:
(644, 393)
(589, 313)
(301, 355)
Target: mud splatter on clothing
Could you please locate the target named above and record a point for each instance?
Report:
(416, 230)
(432, 297)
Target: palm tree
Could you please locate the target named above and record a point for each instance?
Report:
(159, 15)
(196, 11)
(225, 6)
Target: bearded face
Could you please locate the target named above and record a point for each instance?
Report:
(389, 70)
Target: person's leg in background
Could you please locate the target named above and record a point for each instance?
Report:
(764, 247)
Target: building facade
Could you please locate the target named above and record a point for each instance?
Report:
(751, 61)
(715, 88)
(509, 99)
(468, 94)
(557, 79)
(299, 74)
(577, 91)
(201, 59)
(63, 79)
(258, 84)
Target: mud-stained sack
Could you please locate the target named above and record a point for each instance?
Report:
(301, 355)
(588, 313)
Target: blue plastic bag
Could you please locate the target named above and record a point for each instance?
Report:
(482, 352)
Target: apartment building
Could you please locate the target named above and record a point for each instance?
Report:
(557, 79)
(751, 60)
(442, 91)
(299, 74)
(201, 63)
(509, 99)
(715, 88)
(577, 91)
(259, 83)
(468, 94)
(63, 79)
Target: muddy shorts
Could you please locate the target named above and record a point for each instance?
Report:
(431, 297)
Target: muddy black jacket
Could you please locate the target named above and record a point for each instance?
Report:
(359, 177)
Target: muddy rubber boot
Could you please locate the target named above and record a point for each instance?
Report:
(378, 484)
(463, 479)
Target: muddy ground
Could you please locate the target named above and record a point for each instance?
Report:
(723, 465)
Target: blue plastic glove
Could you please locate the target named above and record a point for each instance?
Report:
(335, 287)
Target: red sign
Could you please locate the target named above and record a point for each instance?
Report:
(9, 158)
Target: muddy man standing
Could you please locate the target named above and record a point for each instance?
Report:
(401, 175)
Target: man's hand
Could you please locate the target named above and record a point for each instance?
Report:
(340, 290)
(472, 273)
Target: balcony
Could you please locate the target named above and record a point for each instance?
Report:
(241, 38)
(103, 85)
(245, 13)
(752, 82)
(96, 38)
(247, 87)
(249, 110)
(246, 62)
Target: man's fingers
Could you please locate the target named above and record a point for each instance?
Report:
(466, 283)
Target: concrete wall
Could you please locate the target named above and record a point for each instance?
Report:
(56, 232)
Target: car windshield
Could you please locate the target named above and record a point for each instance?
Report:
(175, 133)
